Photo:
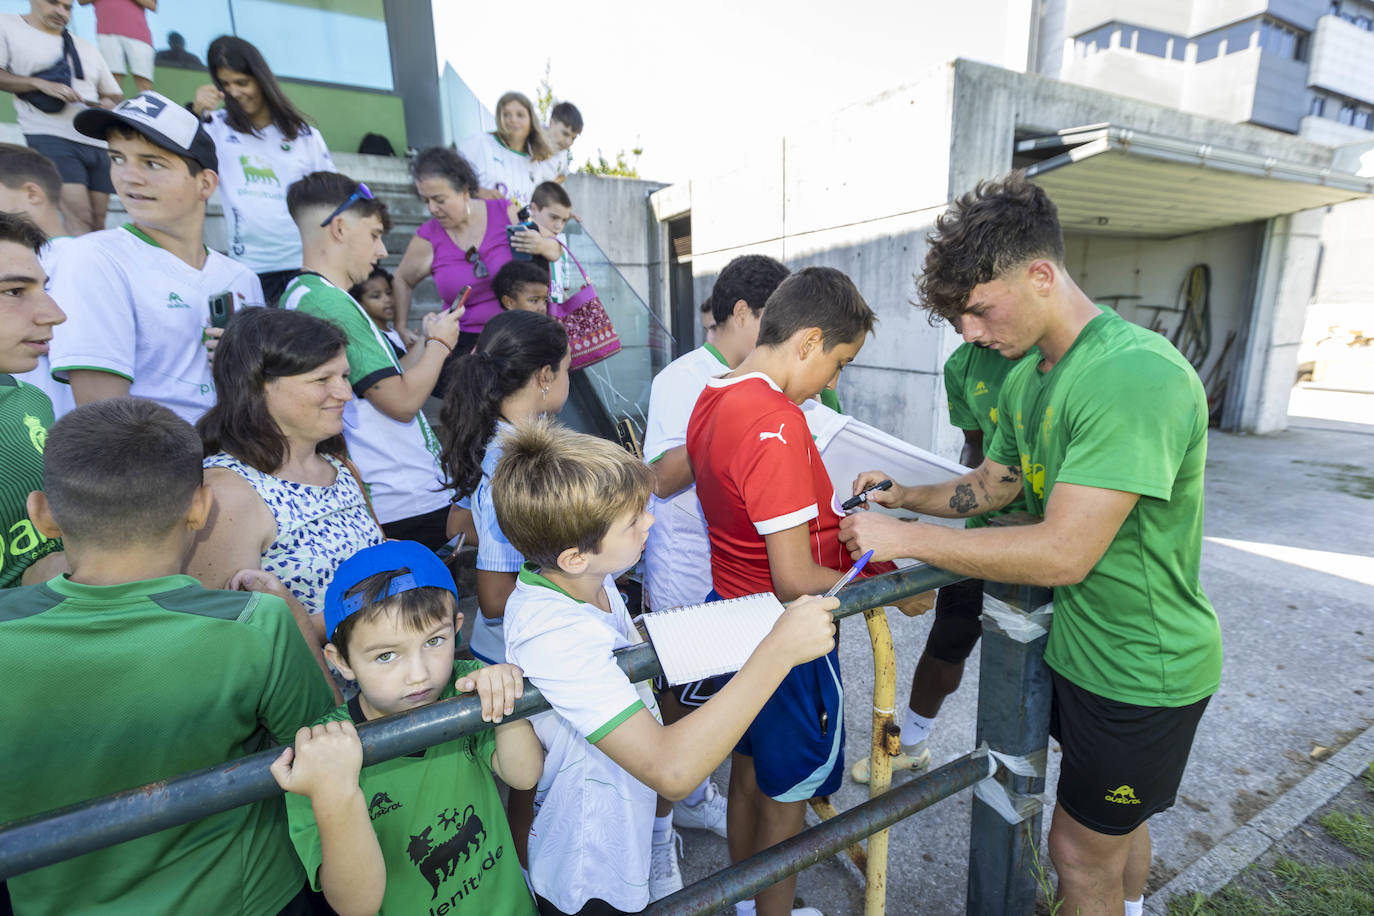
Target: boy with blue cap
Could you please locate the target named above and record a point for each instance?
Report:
(425, 832)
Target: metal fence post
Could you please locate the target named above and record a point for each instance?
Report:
(1014, 693)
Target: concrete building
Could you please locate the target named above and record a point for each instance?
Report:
(1145, 193)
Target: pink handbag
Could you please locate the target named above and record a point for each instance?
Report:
(591, 336)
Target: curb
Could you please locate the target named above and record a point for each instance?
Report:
(1242, 846)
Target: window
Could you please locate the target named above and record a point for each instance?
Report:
(1155, 44)
(1362, 118)
(313, 40)
(1178, 47)
(1127, 41)
(1238, 36)
(1208, 46)
(1347, 115)
(1096, 41)
(1318, 106)
(1282, 40)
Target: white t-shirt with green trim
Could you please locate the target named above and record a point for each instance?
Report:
(677, 558)
(593, 821)
(399, 461)
(502, 169)
(137, 310)
(254, 172)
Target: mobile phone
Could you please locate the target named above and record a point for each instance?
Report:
(460, 300)
(221, 309)
(515, 253)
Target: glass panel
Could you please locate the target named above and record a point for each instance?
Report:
(1127, 41)
(622, 382)
(1178, 48)
(1208, 46)
(1318, 106)
(1238, 36)
(1155, 44)
(343, 43)
(197, 25)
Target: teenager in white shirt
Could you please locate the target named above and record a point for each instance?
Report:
(264, 144)
(515, 157)
(152, 279)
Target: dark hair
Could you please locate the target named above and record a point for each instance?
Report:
(415, 609)
(706, 308)
(120, 472)
(751, 277)
(515, 274)
(129, 132)
(816, 297)
(511, 348)
(442, 162)
(325, 191)
(260, 345)
(567, 113)
(18, 228)
(19, 164)
(550, 192)
(377, 272)
(984, 234)
(229, 52)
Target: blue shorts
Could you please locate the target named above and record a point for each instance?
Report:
(797, 739)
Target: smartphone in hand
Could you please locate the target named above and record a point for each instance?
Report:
(460, 300)
(221, 309)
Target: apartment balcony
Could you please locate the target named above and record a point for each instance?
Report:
(1342, 59)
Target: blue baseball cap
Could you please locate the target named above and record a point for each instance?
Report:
(426, 570)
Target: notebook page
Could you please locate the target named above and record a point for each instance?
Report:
(704, 640)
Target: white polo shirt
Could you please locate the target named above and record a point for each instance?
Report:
(254, 172)
(137, 310)
(677, 558)
(593, 821)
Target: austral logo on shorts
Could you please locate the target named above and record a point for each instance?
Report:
(1123, 795)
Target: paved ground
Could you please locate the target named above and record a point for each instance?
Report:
(1289, 565)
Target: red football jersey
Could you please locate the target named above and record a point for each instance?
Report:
(758, 472)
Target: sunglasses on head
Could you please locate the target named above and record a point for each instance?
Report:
(479, 270)
(363, 192)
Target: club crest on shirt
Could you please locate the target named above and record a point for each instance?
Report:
(38, 436)
(256, 171)
(440, 861)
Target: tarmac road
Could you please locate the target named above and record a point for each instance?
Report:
(1288, 562)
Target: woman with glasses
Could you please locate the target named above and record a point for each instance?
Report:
(463, 245)
(264, 144)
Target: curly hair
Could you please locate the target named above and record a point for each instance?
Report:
(983, 235)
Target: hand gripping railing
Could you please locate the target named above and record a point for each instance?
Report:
(55, 836)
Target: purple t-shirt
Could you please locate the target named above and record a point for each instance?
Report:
(452, 271)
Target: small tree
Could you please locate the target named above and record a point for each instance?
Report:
(544, 98)
(622, 167)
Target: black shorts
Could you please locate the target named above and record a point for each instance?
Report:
(958, 622)
(694, 693)
(1122, 763)
(77, 163)
(429, 529)
(594, 907)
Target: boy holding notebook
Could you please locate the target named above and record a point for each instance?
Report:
(574, 506)
(774, 523)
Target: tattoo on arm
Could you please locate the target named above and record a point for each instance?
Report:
(1011, 474)
(963, 501)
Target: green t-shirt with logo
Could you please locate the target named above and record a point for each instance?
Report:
(440, 824)
(1122, 410)
(25, 415)
(973, 380)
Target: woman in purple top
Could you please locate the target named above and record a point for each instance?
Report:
(464, 244)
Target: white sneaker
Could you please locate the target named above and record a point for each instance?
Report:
(707, 814)
(807, 911)
(664, 875)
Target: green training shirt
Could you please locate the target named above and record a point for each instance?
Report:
(1122, 410)
(25, 415)
(440, 824)
(111, 687)
(973, 381)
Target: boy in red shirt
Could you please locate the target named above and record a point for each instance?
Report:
(774, 521)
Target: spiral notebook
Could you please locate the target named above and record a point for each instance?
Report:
(704, 640)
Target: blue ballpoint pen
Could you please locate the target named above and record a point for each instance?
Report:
(849, 576)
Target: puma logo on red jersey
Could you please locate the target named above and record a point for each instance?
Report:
(777, 435)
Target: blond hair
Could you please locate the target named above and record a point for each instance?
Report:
(536, 144)
(555, 488)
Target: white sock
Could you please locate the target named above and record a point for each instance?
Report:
(915, 728)
(1136, 907)
(697, 794)
(663, 828)
(745, 908)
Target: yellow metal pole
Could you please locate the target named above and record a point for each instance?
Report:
(826, 811)
(886, 744)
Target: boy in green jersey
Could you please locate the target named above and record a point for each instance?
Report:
(1105, 436)
(125, 672)
(27, 317)
(425, 833)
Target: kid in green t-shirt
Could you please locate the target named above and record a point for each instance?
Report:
(421, 833)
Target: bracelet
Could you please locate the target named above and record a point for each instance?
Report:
(441, 343)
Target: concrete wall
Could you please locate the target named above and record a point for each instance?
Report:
(1342, 58)
(1140, 76)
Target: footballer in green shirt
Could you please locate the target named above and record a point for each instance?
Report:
(1105, 437)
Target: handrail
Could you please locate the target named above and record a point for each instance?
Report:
(66, 833)
(766, 868)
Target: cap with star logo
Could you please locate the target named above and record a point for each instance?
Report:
(162, 121)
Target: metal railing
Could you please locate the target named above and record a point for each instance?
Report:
(1006, 812)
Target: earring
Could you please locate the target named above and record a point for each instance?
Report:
(544, 395)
